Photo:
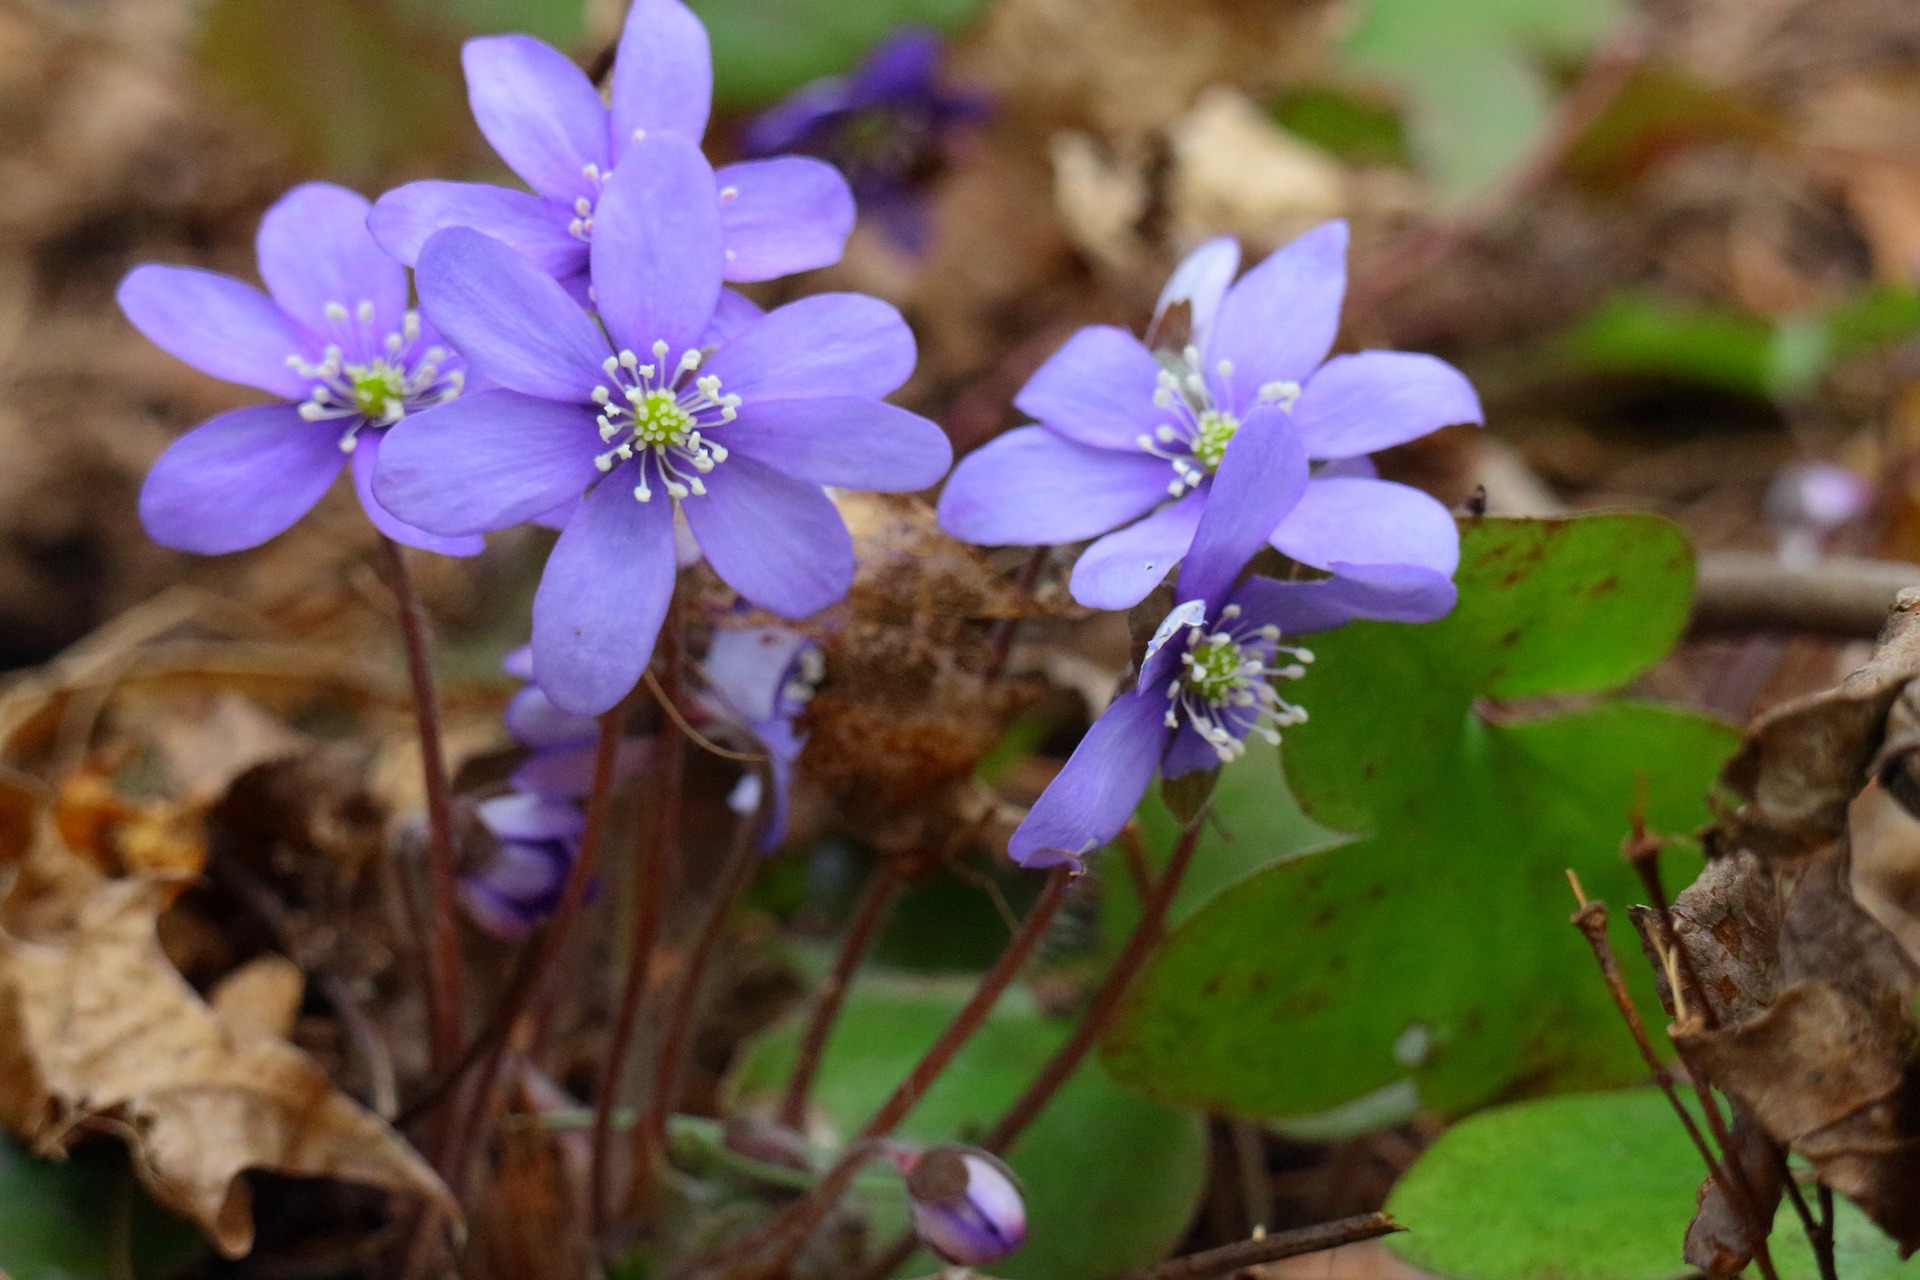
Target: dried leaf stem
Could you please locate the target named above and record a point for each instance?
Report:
(443, 949)
(1286, 1244)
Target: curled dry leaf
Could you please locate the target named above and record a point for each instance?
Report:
(1719, 1239)
(97, 1029)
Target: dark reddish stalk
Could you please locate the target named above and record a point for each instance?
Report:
(443, 949)
(524, 994)
(804, 1215)
(876, 904)
(1008, 627)
(654, 879)
(1229, 1258)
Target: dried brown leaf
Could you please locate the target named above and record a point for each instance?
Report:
(1720, 1237)
(97, 1028)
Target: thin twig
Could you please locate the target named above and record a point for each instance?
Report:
(1229, 1258)
(1817, 1238)
(694, 735)
(876, 903)
(757, 1253)
(443, 954)
(1007, 628)
(1840, 595)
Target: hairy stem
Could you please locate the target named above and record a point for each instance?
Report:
(443, 950)
(876, 903)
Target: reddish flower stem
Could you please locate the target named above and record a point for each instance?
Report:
(875, 906)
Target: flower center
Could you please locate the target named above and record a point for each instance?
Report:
(1196, 438)
(1224, 687)
(659, 415)
(378, 392)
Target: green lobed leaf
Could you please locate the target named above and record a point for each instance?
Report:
(84, 1219)
(1590, 1187)
(1111, 1180)
(1431, 961)
(764, 49)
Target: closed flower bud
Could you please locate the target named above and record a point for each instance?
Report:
(966, 1205)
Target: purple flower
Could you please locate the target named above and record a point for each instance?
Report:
(762, 678)
(736, 420)
(885, 126)
(560, 744)
(1807, 501)
(1129, 439)
(546, 120)
(966, 1205)
(521, 882)
(335, 340)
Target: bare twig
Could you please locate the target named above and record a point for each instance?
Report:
(1229, 1258)
(876, 904)
(1007, 628)
(1839, 596)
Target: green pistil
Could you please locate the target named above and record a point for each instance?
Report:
(379, 390)
(1215, 433)
(1214, 668)
(659, 421)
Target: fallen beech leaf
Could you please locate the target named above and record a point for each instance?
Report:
(95, 1024)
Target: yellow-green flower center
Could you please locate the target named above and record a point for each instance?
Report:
(1216, 667)
(379, 390)
(1214, 434)
(659, 421)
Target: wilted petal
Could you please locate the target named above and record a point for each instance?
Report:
(1278, 323)
(1119, 570)
(830, 344)
(535, 722)
(1097, 389)
(662, 74)
(315, 252)
(540, 112)
(486, 461)
(1360, 403)
(239, 479)
(1369, 522)
(511, 320)
(366, 457)
(1090, 799)
(603, 596)
(1261, 478)
(218, 325)
(657, 247)
(405, 217)
(779, 542)
(1031, 487)
(1388, 593)
(848, 441)
(782, 216)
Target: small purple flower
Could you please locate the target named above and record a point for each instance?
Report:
(1807, 501)
(885, 126)
(335, 340)
(762, 678)
(677, 403)
(561, 746)
(966, 1205)
(520, 884)
(546, 120)
(1129, 439)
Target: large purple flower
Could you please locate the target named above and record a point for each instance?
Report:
(737, 421)
(886, 126)
(1130, 438)
(335, 340)
(546, 120)
(761, 678)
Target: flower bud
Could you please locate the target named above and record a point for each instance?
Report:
(966, 1205)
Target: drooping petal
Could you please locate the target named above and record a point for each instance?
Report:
(1278, 323)
(239, 479)
(902, 65)
(1031, 487)
(746, 667)
(405, 217)
(520, 816)
(1200, 281)
(1360, 403)
(535, 722)
(1097, 389)
(1261, 478)
(657, 247)
(518, 663)
(732, 315)
(316, 252)
(567, 772)
(366, 457)
(1369, 522)
(218, 325)
(1119, 570)
(662, 73)
(540, 112)
(848, 441)
(1388, 593)
(777, 541)
(781, 216)
(1093, 796)
(830, 344)
(511, 320)
(486, 461)
(603, 597)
